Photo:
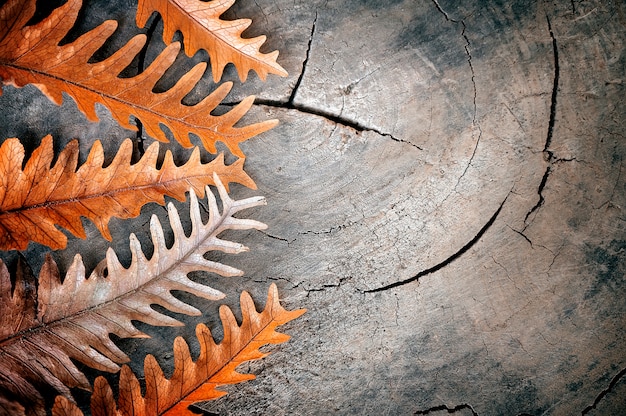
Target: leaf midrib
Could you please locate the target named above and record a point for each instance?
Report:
(170, 119)
(75, 200)
(225, 364)
(163, 274)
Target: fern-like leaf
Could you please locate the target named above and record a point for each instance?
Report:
(32, 55)
(39, 336)
(201, 26)
(34, 199)
(193, 382)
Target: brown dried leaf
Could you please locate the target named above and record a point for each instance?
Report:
(32, 55)
(193, 382)
(73, 319)
(65, 407)
(34, 199)
(201, 26)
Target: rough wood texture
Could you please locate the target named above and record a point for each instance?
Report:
(445, 196)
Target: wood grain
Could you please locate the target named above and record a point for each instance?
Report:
(445, 197)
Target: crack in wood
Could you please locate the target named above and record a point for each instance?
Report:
(290, 104)
(447, 409)
(471, 67)
(548, 154)
(326, 231)
(438, 6)
(341, 120)
(326, 286)
(474, 122)
(294, 91)
(555, 87)
(604, 392)
(541, 200)
(448, 260)
(275, 237)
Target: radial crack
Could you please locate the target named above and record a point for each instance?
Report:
(447, 261)
(290, 104)
(326, 286)
(555, 88)
(304, 63)
(341, 120)
(274, 237)
(474, 122)
(471, 67)
(548, 154)
(447, 409)
(438, 6)
(604, 392)
(541, 200)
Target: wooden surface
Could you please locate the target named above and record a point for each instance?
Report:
(446, 197)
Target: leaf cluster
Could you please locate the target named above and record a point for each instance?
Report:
(51, 322)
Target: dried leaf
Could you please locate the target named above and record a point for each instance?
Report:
(73, 319)
(64, 407)
(201, 26)
(193, 382)
(34, 199)
(31, 55)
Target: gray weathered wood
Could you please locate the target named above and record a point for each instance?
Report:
(445, 197)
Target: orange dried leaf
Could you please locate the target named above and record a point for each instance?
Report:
(64, 407)
(191, 381)
(43, 331)
(34, 199)
(201, 26)
(32, 55)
